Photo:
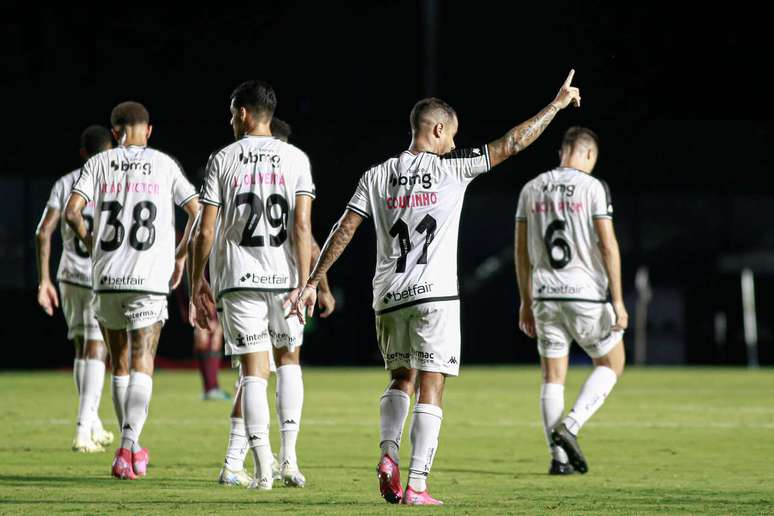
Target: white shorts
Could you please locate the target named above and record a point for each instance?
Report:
(558, 323)
(78, 308)
(424, 337)
(129, 310)
(255, 321)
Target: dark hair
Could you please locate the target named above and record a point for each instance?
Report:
(129, 113)
(95, 139)
(577, 134)
(257, 97)
(280, 129)
(427, 106)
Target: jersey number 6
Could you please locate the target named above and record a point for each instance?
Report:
(559, 252)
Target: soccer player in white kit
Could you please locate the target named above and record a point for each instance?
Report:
(259, 192)
(566, 260)
(289, 393)
(74, 278)
(134, 189)
(415, 200)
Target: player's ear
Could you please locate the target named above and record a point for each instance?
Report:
(84, 154)
(438, 129)
(116, 135)
(150, 130)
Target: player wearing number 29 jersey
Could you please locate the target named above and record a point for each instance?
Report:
(415, 200)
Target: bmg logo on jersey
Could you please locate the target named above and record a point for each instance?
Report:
(425, 179)
(126, 166)
(563, 189)
(412, 291)
(264, 279)
(259, 157)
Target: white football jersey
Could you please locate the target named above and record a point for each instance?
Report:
(75, 263)
(255, 181)
(559, 207)
(415, 201)
(134, 190)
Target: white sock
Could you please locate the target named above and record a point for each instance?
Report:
(138, 397)
(93, 374)
(552, 409)
(290, 401)
(78, 365)
(255, 411)
(425, 428)
(119, 386)
(591, 397)
(237, 445)
(393, 409)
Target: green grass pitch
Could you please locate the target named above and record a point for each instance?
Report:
(690, 441)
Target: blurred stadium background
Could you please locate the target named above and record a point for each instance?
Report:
(679, 99)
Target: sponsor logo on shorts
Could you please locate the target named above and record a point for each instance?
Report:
(126, 166)
(135, 316)
(264, 279)
(282, 339)
(422, 356)
(452, 361)
(121, 281)
(243, 340)
(412, 291)
(560, 290)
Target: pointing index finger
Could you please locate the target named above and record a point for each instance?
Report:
(568, 81)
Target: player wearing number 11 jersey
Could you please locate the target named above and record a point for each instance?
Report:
(134, 189)
(415, 200)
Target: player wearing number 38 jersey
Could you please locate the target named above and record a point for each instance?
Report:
(134, 189)
(415, 201)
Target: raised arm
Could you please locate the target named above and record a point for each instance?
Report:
(521, 136)
(337, 241)
(611, 256)
(47, 296)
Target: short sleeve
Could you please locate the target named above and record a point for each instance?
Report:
(304, 183)
(600, 203)
(521, 208)
(58, 197)
(85, 183)
(467, 164)
(211, 191)
(360, 202)
(182, 189)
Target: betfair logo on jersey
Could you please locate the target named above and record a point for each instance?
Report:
(412, 291)
(126, 166)
(259, 157)
(264, 279)
(426, 180)
(563, 189)
(121, 281)
(243, 340)
(561, 290)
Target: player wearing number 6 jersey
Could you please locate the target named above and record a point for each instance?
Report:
(259, 192)
(134, 189)
(566, 259)
(415, 200)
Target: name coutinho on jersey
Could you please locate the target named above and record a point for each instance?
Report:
(412, 201)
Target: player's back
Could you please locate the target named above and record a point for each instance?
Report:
(416, 201)
(135, 189)
(75, 263)
(559, 207)
(255, 182)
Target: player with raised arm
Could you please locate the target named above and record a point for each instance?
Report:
(567, 259)
(415, 200)
(134, 189)
(259, 192)
(74, 278)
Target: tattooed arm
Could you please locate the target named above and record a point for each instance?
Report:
(521, 136)
(340, 236)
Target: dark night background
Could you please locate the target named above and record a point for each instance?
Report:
(680, 97)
